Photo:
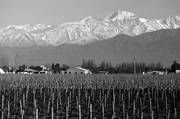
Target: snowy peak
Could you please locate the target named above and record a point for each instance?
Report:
(143, 20)
(121, 15)
(88, 19)
(87, 30)
(29, 27)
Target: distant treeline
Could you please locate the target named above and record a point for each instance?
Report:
(125, 67)
(104, 66)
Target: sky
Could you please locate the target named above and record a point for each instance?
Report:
(55, 12)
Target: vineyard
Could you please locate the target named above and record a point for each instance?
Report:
(89, 96)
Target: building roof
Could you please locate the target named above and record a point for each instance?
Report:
(31, 70)
(2, 71)
(80, 68)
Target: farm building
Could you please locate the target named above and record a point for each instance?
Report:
(156, 72)
(178, 71)
(78, 70)
(31, 71)
(2, 71)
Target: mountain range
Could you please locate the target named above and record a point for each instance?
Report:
(116, 38)
(83, 32)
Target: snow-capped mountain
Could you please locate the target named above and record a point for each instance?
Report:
(85, 31)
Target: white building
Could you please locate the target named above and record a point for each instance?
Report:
(156, 72)
(77, 70)
(177, 71)
(2, 71)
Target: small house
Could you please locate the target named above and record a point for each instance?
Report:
(77, 70)
(178, 71)
(31, 71)
(2, 71)
(156, 72)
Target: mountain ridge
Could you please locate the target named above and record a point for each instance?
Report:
(158, 46)
(84, 31)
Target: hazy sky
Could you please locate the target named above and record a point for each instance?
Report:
(59, 11)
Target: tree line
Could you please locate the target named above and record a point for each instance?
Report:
(105, 66)
(125, 67)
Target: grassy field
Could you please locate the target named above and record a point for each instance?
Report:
(90, 96)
